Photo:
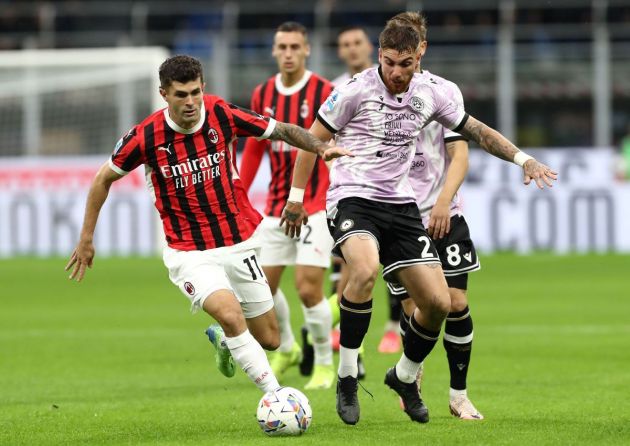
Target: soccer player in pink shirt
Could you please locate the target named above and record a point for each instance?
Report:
(372, 210)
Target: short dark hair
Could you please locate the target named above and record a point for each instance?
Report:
(180, 68)
(353, 28)
(402, 38)
(415, 19)
(291, 27)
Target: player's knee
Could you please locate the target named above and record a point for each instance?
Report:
(309, 295)
(458, 300)
(232, 321)
(363, 277)
(441, 305)
(270, 341)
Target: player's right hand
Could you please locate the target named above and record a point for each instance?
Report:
(439, 220)
(82, 258)
(336, 152)
(293, 217)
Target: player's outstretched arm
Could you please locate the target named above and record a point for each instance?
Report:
(294, 215)
(440, 218)
(302, 139)
(498, 145)
(83, 254)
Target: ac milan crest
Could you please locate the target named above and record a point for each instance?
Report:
(190, 289)
(214, 136)
(304, 109)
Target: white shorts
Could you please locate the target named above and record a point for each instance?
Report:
(311, 249)
(198, 274)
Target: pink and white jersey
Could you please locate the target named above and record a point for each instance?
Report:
(431, 161)
(381, 129)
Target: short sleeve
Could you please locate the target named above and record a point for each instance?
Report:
(447, 112)
(458, 100)
(249, 123)
(127, 153)
(340, 106)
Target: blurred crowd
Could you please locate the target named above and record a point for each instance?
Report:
(550, 42)
(27, 23)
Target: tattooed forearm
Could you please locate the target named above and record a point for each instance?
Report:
(489, 139)
(298, 137)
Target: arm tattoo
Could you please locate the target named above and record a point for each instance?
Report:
(489, 139)
(297, 137)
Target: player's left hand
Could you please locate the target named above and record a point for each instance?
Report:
(541, 174)
(440, 220)
(335, 152)
(82, 258)
(294, 215)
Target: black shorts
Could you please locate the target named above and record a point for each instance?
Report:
(457, 254)
(397, 228)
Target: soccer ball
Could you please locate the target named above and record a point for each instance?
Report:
(284, 411)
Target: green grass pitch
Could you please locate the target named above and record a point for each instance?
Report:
(119, 359)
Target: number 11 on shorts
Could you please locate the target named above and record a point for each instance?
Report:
(248, 262)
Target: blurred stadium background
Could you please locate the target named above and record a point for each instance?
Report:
(552, 75)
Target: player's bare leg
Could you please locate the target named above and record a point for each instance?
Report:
(317, 315)
(288, 352)
(362, 259)
(265, 329)
(428, 289)
(223, 306)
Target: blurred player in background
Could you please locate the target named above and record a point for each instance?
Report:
(294, 95)
(372, 211)
(208, 221)
(355, 50)
(438, 170)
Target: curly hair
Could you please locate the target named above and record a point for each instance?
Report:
(415, 19)
(180, 68)
(402, 38)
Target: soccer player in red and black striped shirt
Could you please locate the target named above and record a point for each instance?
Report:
(208, 222)
(294, 95)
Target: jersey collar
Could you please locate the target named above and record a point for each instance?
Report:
(288, 91)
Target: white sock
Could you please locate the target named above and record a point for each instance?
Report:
(348, 362)
(318, 321)
(287, 339)
(250, 357)
(407, 370)
(452, 393)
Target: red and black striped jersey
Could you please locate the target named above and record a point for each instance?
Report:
(192, 175)
(298, 105)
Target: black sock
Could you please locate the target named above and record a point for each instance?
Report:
(395, 307)
(419, 341)
(354, 322)
(404, 326)
(458, 344)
